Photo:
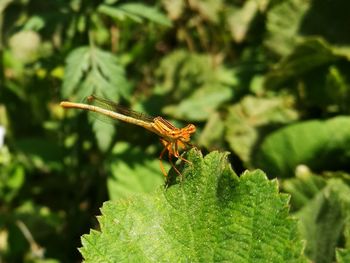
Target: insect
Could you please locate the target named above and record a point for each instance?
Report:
(172, 138)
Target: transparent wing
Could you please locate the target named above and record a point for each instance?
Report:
(112, 106)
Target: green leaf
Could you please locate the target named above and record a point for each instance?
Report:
(174, 8)
(326, 88)
(321, 145)
(117, 13)
(310, 54)
(343, 250)
(343, 255)
(208, 9)
(283, 23)
(35, 23)
(104, 133)
(195, 77)
(248, 120)
(241, 20)
(303, 187)
(77, 64)
(316, 71)
(91, 70)
(200, 104)
(12, 178)
(211, 137)
(135, 11)
(292, 19)
(147, 12)
(132, 172)
(211, 216)
(323, 219)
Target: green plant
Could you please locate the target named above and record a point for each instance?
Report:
(266, 80)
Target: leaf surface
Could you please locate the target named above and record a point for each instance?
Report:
(132, 172)
(321, 145)
(92, 70)
(322, 220)
(137, 12)
(283, 23)
(310, 54)
(211, 216)
(198, 82)
(251, 118)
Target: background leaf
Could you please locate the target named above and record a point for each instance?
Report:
(213, 132)
(303, 187)
(245, 15)
(77, 65)
(201, 104)
(204, 84)
(283, 25)
(253, 117)
(322, 220)
(135, 11)
(306, 143)
(104, 133)
(343, 255)
(306, 56)
(97, 71)
(129, 177)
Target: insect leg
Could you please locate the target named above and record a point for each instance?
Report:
(173, 165)
(179, 156)
(161, 158)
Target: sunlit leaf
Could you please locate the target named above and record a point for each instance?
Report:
(209, 9)
(174, 8)
(12, 178)
(104, 132)
(135, 11)
(343, 255)
(321, 145)
(34, 23)
(200, 85)
(212, 135)
(91, 70)
(77, 65)
(253, 117)
(240, 20)
(133, 172)
(283, 24)
(200, 104)
(212, 215)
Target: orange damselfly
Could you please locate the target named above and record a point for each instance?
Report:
(172, 138)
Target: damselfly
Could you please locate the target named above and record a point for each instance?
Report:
(172, 138)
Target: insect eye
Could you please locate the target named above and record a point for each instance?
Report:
(191, 128)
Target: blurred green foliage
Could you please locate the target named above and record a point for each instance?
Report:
(267, 80)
